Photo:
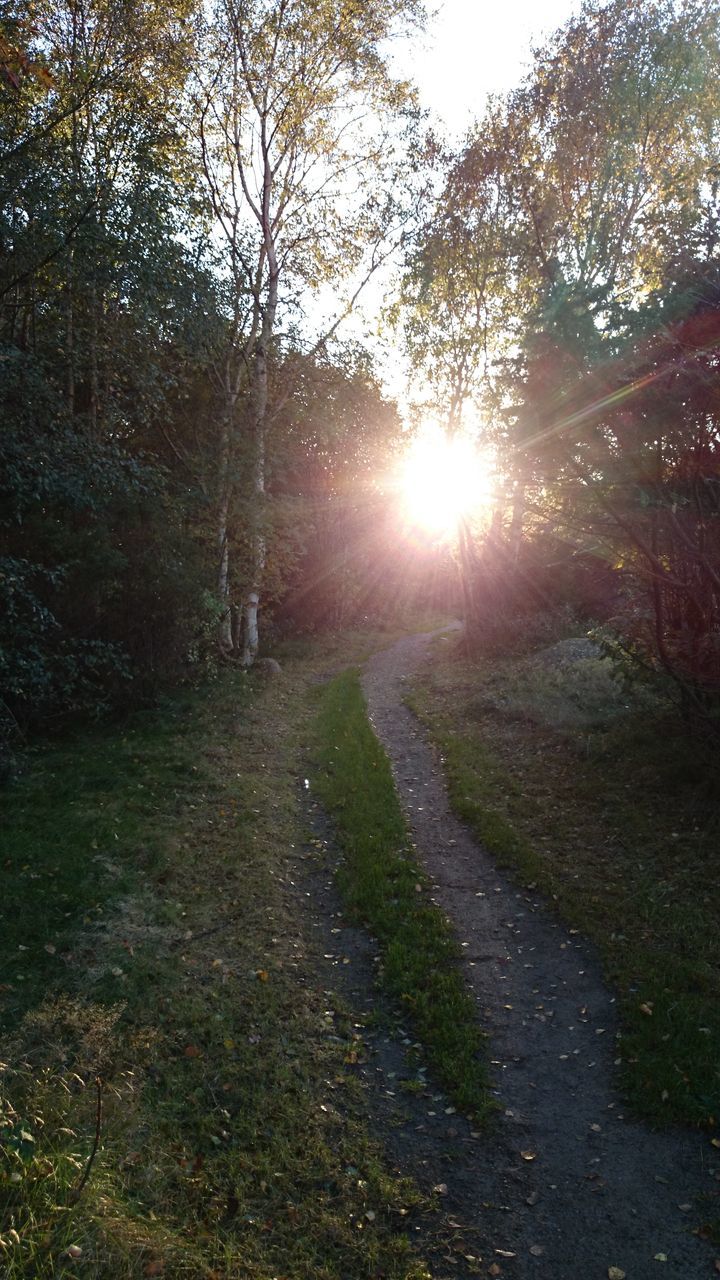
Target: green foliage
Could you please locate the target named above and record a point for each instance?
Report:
(385, 889)
(112, 590)
(108, 315)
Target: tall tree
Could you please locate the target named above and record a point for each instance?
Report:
(305, 138)
(603, 169)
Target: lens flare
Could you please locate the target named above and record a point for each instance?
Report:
(442, 480)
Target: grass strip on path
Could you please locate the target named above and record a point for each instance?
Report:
(616, 828)
(152, 941)
(384, 888)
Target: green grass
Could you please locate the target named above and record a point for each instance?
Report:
(383, 887)
(619, 827)
(146, 883)
(79, 827)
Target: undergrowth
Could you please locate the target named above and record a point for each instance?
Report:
(384, 889)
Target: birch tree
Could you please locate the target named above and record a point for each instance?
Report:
(305, 139)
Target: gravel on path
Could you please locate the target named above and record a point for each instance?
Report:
(568, 1183)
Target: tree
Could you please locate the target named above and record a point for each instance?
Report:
(304, 137)
(606, 164)
(104, 300)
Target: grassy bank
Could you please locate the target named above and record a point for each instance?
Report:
(592, 793)
(385, 890)
(174, 1101)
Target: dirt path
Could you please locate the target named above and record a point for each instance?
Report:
(569, 1184)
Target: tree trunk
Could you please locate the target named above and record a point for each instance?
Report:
(259, 546)
(94, 368)
(228, 631)
(259, 410)
(225, 631)
(251, 639)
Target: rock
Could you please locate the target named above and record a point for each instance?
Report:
(563, 652)
(267, 667)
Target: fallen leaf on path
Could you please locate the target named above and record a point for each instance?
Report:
(646, 1009)
(494, 1269)
(537, 1250)
(505, 1253)
(529, 1155)
(533, 1197)
(661, 1257)
(614, 1273)
(441, 1188)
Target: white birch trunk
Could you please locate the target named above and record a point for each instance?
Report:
(259, 403)
(225, 632)
(251, 638)
(225, 638)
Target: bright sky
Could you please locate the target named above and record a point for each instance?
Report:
(472, 48)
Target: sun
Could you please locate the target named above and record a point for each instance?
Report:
(443, 479)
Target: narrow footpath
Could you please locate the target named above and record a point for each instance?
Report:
(569, 1186)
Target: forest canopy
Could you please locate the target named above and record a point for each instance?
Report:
(192, 201)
